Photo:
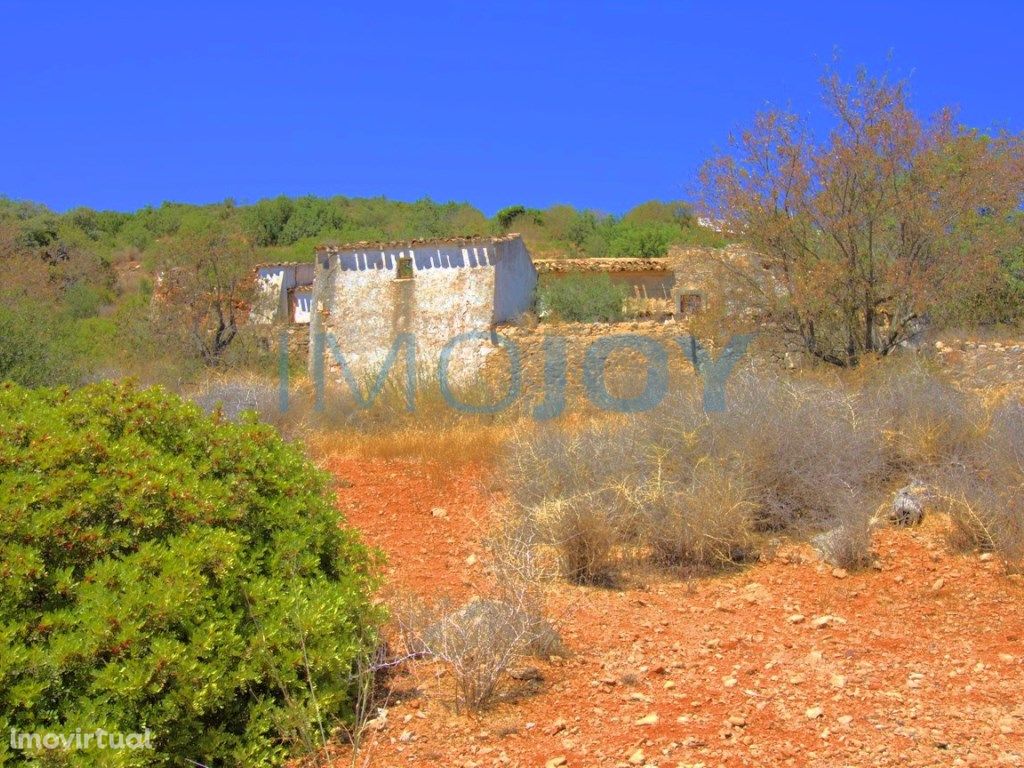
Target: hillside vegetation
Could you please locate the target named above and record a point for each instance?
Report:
(76, 299)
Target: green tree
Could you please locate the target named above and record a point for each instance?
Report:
(674, 212)
(264, 222)
(32, 350)
(640, 240)
(309, 217)
(206, 281)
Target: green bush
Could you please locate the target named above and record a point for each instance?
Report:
(31, 347)
(641, 241)
(167, 570)
(582, 298)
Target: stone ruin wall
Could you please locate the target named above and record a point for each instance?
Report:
(458, 286)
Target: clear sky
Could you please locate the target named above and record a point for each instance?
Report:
(598, 104)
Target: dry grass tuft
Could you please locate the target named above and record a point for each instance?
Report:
(443, 450)
(706, 524)
(482, 639)
(847, 543)
(434, 432)
(926, 421)
(984, 493)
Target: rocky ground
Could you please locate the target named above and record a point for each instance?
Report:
(988, 366)
(918, 661)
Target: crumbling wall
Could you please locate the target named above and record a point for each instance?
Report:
(515, 280)
(457, 286)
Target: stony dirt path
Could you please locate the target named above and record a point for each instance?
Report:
(919, 662)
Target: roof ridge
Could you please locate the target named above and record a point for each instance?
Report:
(413, 242)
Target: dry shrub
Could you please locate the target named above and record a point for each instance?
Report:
(847, 542)
(478, 642)
(577, 489)
(231, 395)
(986, 518)
(520, 569)
(584, 533)
(705, 524)
(802, 445)
(693, 488)
(984, 495)
(803, 455)
(926, 421)
(1005, 443)
(553, 462)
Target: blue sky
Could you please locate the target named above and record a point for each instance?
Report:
(602, 105)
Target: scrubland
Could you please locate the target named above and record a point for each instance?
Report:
(654, 560)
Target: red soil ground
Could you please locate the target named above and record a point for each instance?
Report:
(919, 662)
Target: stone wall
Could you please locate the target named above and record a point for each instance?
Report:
(457, 286)
(610, 265)
(625, 371)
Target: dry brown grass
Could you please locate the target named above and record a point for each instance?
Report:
(810, 456)
(983, 494)
(707, 524)
(449, 446)
(434, 432)
(926, 421)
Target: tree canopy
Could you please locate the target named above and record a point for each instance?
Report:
(887, 221)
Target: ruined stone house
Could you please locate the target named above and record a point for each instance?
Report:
(365, 294)
(677, 286)
(284, 293)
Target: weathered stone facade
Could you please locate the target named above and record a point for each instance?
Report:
(366, 295)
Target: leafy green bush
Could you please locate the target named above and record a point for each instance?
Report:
(641, 241)
(30, 348)
(582, 298)
(508, 214)
(676, 212)
(167, 570)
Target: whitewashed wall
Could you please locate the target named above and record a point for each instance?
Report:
(456, 288)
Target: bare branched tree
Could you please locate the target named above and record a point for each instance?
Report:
(866, 233)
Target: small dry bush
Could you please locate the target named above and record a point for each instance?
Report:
(707, 523)
(482, 639)
(585, 535)
(554, 462)
(803, 446)
(925, 420)
(231, 395)
(520, 568)
(478, 642)
(1005, 444)
(576, 488)
(604, 495)
(984, 495)
(846, 543)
